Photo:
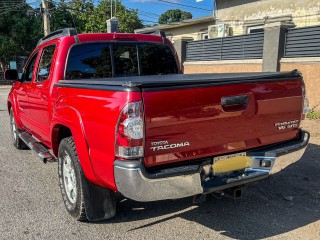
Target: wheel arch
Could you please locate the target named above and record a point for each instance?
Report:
(67, 122)
(12, 104)
(9, 105)
(59, 132)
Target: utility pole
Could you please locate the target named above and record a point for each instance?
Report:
(46, 19)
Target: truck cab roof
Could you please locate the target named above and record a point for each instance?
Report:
(157, 36)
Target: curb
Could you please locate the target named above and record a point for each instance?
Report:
(5, 86)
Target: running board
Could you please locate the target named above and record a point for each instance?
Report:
(36, 146)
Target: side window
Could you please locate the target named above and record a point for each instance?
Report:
(28, 73)
(89, 61)
(45, 63)
(157, 59)
(125, 60)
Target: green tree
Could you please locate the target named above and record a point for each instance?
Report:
(96, 20)
(19, 32)
(174, 15)
(70, 14)
(90, 18)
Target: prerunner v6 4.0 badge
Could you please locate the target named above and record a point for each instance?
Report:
(285, 125)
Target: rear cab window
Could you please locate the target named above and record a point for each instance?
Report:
(89, 61)
(105, 60)
(157, 60)
(125, 60)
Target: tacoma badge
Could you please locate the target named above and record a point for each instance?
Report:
(156, 146)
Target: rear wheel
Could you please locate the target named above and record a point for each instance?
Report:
(17, 142)
(70, 179)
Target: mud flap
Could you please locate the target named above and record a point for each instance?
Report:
(100, 203)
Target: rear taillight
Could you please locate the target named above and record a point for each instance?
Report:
(130, 132)
(305, 104)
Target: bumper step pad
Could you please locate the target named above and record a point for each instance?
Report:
(233, 181)
(42, 152)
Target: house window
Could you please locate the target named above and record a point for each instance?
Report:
(255, 29)
(204, 36)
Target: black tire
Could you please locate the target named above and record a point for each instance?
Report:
(73, 200)
(16, 140)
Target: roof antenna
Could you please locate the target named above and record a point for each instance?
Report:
(111, 9)
(112, 23)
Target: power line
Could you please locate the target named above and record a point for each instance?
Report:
(10, 8)
(171, 4)
(193, 3)
(154, 18)
(184, 5)
(149, 21)
(154, 14)
(167, 4)
(12, 2)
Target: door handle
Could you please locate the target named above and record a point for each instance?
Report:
(234, 103)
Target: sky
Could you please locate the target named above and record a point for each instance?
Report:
(150, 10)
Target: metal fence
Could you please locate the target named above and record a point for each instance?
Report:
(2, 81)
(249, 46)
(303, 42)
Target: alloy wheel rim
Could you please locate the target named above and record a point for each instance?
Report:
(70, 183)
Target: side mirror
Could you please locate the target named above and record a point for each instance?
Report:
(11, 75)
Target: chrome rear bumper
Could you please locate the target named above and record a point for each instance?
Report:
(134, 182)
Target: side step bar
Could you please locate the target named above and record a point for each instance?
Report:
(36, 146)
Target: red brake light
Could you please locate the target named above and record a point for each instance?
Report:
(305, 105)
(123, 36)
(130, 132)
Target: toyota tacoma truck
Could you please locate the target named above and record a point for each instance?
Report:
(119, 116)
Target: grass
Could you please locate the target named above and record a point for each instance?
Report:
(312, 114)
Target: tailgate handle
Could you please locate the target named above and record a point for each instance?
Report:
(235, 102)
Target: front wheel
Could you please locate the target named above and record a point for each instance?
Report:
(70, 175)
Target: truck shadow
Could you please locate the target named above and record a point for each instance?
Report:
(284, 202)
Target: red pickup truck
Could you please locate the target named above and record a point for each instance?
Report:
(118, 115)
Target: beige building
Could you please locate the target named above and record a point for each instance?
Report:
(246, 16)
(193, 29)
(237, 17)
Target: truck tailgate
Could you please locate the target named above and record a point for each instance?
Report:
(192, 122)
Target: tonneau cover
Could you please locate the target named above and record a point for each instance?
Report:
(184, 79)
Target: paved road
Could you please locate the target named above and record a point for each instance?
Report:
(286, 206)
